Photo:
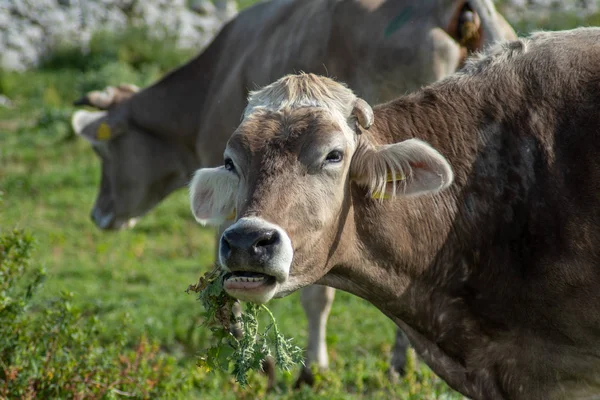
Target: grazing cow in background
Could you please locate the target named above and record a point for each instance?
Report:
(150, 142)
(468, 212)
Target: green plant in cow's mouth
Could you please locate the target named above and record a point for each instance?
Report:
(239, 355)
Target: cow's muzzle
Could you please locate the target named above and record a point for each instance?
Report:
(257, 256)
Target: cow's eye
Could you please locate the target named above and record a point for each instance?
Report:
(334, 157)
(229, 166)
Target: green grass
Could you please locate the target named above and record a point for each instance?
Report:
(48, 182)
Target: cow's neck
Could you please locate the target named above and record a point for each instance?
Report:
(400, 239)
(172, 108)
(406, 253)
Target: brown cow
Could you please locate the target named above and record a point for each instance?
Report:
(483, 250)
(150, 142)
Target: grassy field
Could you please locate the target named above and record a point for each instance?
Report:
(48, 181)
(49, 185)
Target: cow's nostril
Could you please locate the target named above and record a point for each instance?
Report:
(268, 238)
(265, 243)
(225, 246)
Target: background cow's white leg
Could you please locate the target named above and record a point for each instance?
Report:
(316, 301)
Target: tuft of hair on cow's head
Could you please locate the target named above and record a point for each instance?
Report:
(286, 179)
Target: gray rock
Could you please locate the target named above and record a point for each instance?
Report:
(11, 59)
(29, 29)
(203, 7)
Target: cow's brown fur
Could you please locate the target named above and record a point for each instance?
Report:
(496, 279)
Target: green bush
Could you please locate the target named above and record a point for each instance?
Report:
(56, 352)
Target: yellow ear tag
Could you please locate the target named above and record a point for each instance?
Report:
(232, 216)
(379, 195)
(389, 178)
(103, 133)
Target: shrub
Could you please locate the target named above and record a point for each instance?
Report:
(56, 352)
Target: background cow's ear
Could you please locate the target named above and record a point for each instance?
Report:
(464, 25)
(95, 126)
(475, 23)
(408, 168)
(107, 98)
(212, 195)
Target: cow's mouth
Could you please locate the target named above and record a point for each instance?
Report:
(250, 286)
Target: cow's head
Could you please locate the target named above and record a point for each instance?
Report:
(138, 169)
(286, 179)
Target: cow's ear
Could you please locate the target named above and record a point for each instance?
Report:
(107, 98)
(464, 25)
(212, 195)
(95, 126)
(408, 168)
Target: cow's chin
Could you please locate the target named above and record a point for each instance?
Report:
(118, 225)
(127, 224)
(109, 222)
